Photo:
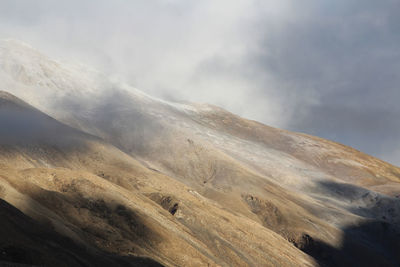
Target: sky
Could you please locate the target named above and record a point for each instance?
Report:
(329, 68)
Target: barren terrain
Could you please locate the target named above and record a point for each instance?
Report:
(131, 179)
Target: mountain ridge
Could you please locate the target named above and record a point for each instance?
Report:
(56, 193)
(301, 193)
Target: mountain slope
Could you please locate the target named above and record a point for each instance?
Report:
(26, 241)
(308, 190)
(102, 199)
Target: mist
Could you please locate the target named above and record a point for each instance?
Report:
(23, 126)
(328, 68)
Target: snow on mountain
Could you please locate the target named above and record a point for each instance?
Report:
(290, 182)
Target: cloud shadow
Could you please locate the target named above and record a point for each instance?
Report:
(375, 241)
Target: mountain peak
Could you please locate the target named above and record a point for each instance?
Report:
(6, 95)
(18, 50)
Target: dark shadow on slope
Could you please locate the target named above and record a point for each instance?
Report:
(26, 241)
(118, 117)
(373, 242)
(26, 130)
(370, 244)
(23, 125)
(105, 224)
(167, 202)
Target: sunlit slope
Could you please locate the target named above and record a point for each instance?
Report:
(105, 200)
(301, 187)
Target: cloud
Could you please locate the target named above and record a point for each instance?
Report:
(340, 61)
(329, 68)
(185, 50)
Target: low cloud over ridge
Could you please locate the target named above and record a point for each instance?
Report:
(321, 67)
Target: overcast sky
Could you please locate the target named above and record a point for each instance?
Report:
(330, 68)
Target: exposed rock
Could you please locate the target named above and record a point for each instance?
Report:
(169, 203)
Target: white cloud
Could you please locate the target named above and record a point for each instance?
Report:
(279, 62)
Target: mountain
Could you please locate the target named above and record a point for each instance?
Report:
(204, 185)
(93, 197)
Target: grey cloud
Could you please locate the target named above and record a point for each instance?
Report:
(353, 126)
(329, 68)
(341, 62)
